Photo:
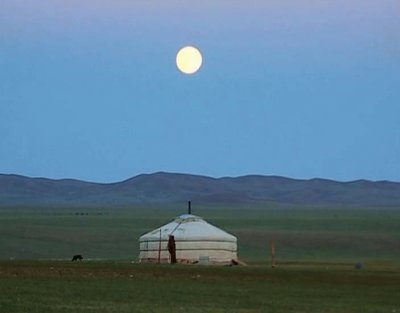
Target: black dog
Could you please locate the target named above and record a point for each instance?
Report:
(77, 257)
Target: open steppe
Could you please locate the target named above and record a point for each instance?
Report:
(317, 249)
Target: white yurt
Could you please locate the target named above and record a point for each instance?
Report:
(196, 241)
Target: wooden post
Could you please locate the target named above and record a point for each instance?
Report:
(272, 243)
(159, 249)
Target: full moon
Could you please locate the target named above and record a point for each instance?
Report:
(189, 60)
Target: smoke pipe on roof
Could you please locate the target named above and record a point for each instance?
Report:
(189, 207)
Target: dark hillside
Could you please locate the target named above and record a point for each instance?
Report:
(171, 187)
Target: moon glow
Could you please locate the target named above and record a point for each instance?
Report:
(189, 60)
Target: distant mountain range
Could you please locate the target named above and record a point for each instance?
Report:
(164, 188)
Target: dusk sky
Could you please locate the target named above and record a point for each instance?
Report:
(303, 89)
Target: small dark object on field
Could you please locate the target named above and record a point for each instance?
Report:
(77, 257)
(359, 265)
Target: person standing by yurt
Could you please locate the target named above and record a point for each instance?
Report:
(172, 248)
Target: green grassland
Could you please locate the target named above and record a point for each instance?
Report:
(112, 234)
(94, 286)
(316, 252)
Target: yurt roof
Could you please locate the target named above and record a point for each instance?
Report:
(189, 227)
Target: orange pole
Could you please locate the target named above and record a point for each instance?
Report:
(272, 243)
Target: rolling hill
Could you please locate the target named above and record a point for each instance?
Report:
(164, 187)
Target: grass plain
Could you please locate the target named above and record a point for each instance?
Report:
(43, 286)
(316, 252)
(112, 234)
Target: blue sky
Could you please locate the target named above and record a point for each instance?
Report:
(294, 88)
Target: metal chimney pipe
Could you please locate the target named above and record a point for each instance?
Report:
(189, 207)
